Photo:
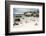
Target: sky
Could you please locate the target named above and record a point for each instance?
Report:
(22, 10)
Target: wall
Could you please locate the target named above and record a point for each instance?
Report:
(2, 17)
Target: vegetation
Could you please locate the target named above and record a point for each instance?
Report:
(35, 14)
(17, 19)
